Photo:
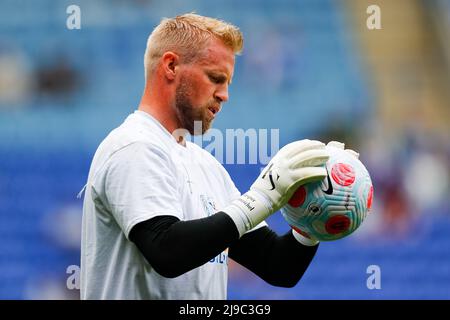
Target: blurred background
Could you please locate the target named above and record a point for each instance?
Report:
(310, 68)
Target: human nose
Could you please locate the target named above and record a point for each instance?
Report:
(222, 93)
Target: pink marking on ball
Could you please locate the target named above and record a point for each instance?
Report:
(343, 174)
(370, 198)
(337, 224)
(298, 198)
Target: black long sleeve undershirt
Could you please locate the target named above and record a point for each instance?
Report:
(279, 260)
(174, 247)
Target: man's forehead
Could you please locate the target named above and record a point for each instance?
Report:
(218, 56)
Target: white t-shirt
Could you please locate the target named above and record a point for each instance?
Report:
(138, 172)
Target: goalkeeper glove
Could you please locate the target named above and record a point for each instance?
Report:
(295, 164)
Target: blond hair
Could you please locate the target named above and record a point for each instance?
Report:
(187, 35)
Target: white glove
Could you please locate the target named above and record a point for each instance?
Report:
(295, 164)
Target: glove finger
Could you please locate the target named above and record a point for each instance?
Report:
(309, 158)
(308, 174)
(296, 147)
(336, 144)
(306, 145)
(287, 149)
(353, 153)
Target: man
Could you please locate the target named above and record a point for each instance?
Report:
(161, 215)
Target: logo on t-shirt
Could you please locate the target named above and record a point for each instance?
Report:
(208, 204)
(221, 258)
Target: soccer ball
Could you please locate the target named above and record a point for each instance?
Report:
(336, 206)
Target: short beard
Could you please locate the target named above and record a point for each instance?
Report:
(187, 114)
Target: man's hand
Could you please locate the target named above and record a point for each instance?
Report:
(295, 164)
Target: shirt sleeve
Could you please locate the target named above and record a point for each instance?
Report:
(140, 183)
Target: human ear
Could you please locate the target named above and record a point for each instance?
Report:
(170, 61)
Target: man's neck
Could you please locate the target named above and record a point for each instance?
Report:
(166, 121)
(158, 106)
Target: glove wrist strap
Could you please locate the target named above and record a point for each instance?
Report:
(249, 210)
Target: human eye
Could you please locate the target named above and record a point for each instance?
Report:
(217, 79)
